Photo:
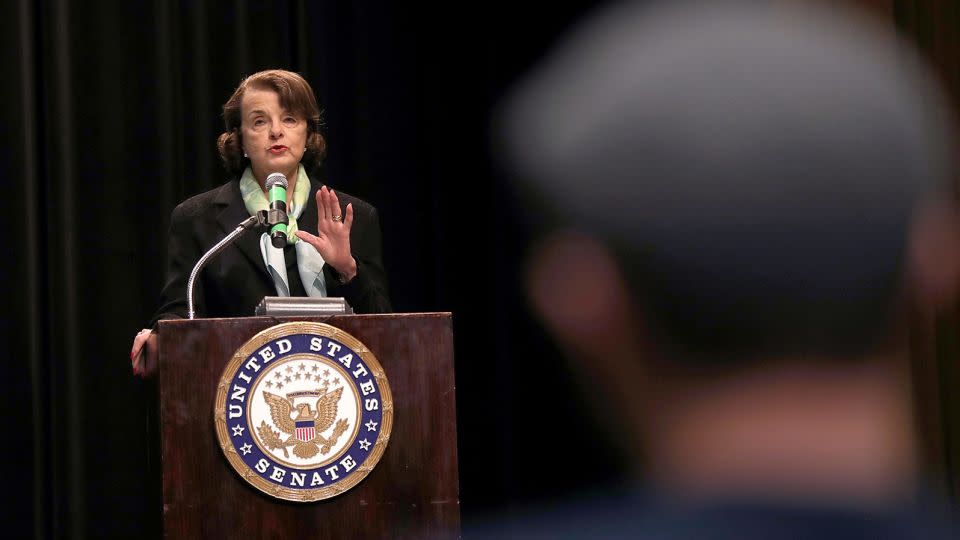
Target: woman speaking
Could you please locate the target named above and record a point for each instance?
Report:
(333, 246)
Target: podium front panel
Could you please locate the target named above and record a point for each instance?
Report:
(412, 493)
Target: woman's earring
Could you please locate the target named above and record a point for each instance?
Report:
(245, 154)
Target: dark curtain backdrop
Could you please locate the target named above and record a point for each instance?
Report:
(934, 26)
(110, 111)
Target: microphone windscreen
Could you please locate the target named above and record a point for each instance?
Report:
(276, 179)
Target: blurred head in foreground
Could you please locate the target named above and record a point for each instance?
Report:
(747, 199)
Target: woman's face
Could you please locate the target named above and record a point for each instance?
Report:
(273, 138)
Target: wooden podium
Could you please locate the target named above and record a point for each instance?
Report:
(412, 493)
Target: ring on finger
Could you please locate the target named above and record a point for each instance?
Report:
(338, 219)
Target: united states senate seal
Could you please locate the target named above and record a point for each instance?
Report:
(303, 411)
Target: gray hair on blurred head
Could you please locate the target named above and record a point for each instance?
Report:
(755, 167)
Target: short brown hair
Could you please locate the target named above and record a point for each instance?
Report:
(295, 95)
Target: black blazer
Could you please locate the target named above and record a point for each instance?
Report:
(234, 282)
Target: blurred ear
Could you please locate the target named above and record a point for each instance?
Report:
(577, 289)
(578, 292)
(934, 255)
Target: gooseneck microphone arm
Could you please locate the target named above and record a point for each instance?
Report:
(257, 220)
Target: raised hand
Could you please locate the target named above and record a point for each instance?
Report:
(333, 234)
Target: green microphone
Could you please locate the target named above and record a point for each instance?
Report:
(277, 215)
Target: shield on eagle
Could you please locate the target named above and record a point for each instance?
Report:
(305, 430)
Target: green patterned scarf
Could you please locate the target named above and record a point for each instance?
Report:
(256, 200)
(309, 262)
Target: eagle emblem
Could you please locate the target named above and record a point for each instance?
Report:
(303, 425)
(303, 411)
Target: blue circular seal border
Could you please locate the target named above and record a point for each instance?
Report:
(235, 432)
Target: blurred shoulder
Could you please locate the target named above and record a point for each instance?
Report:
(640, 516)
(596, 515)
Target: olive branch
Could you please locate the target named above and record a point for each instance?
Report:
(271, 438)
